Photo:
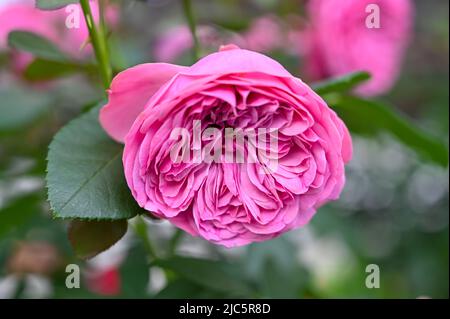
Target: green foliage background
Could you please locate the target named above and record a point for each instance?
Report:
(393, 212)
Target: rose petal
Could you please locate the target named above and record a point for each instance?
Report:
(130, 91)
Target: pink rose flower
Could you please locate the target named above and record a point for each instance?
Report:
(22, 15)
(230, 203)
(344, 37)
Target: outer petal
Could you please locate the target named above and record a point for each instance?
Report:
(231, 59)
(130, 90)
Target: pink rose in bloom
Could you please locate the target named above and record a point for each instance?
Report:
(344, 37)
(22, 15)
(227, 202)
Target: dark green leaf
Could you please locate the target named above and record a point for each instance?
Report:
(371, 117)
(53, 4)
(3, 59)
(216, 275)
(19, 107)
(134, 273)
(184, 289)
(179, 289)
(89, 238)
(340, 84)
(275, 269)
(17, 213)
(35, 44)
(43, 70)
(85, 176)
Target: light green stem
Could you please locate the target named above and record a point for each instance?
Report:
(140, 228)
(188, 12)
(102, 12)
(98, 40)
(174, 241)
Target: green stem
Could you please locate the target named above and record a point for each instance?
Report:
(101, 12)
(98, 40)
(140, 228)
(174, 241)
(103, 26)
(188, 12)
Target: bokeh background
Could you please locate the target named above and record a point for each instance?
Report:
(393, 212)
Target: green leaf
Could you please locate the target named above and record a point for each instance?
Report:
(53, 4)
(134, 273)
(179, 289)
(216, 275)
(184, 289)
(371, 117)
(44, 70)
(89, 238)
(18, 213)
(85, 176)
(340, 84)
(3, 59)
(35, 44)
(274, 269)
(19, 107)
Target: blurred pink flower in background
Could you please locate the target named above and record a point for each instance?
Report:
(178, 40)
(105, 282)
(22, 15)
(264, 34)
(339, 41)
(295, 35)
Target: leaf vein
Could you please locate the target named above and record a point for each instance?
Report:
(89, 180)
